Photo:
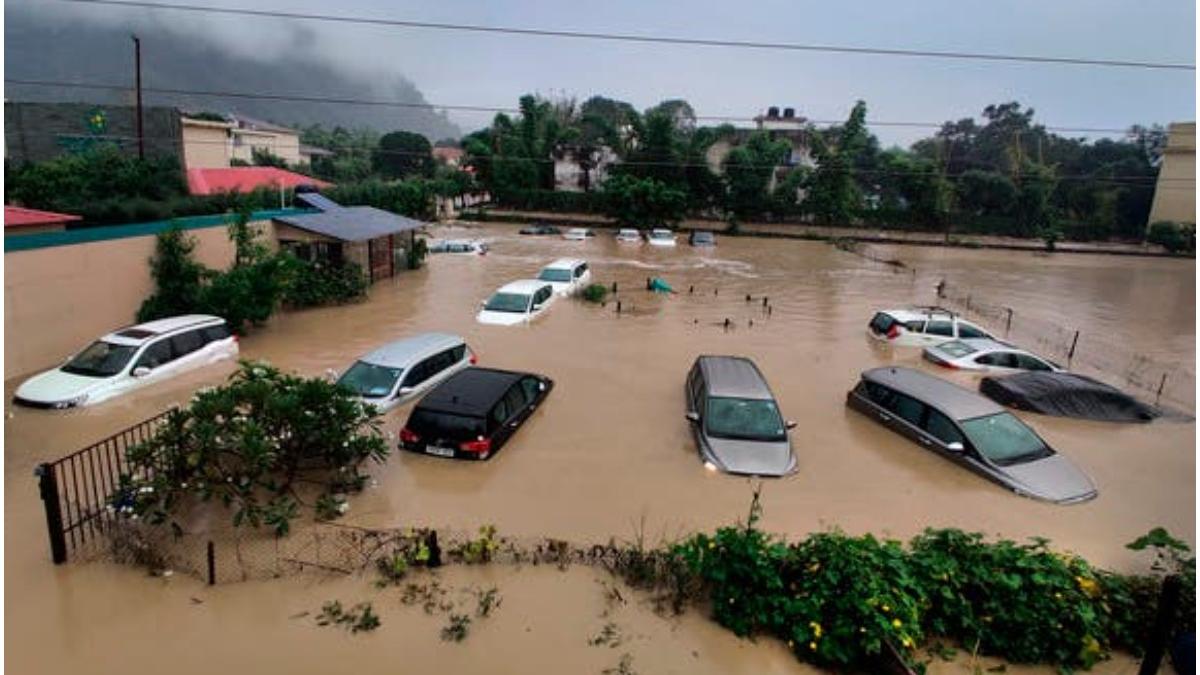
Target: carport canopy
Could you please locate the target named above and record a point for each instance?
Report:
(352, 223)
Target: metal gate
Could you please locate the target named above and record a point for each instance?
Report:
(77, 490)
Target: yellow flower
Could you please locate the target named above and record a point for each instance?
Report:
(712, 544)
(816, 628)
(896, 623)
(1058, 596)
(1088, 586)
(812, 646)
(886, 609)
(814, 567)
(907, 642)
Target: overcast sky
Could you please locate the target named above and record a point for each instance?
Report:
(493, 70)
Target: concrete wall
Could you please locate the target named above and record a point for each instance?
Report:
(205, 145)
(59, 298)
(36, 132)
(1175, 193)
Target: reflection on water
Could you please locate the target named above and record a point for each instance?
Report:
(611, 447)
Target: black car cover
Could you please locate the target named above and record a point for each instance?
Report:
(1066, 395)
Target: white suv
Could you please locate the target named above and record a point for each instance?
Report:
(131, 358)
(401, 371)
(921, 327)
(566, 275)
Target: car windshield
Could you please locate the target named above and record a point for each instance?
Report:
(369, 380)
(508, 302)
(957, 348)
(1004, 439)
(101, 359)
(754, 419)
(555, 274)
(702, 236)
(660, 234)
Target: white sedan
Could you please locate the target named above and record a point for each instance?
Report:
(629, 236)
(985, 355)
(516, 302)
(577, 234)
(921, 326)
(567, 275)
(661, 237)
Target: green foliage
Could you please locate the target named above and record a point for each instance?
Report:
(412, 198)
(595, 293)
(402, 154)
(457, 628)
(264, 157)
(417, 253)
(177, 277)
(478, 550)
(358, 619)
(644, 202)
(748, 173)
(244, 444)
(1175, 237)
(834, 196)
(317, 284)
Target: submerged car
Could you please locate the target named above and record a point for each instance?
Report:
(541, 230)
(566, 275)
(517, 302)
(970, 430)
(661, 237)
(460, 246)
(735, 420)
(1067, 395)
(986, 355)
(129, 359)
(921, 326)
(403, 370)
(474, 413)
(702, 238)
(629, 236)
(577, 234)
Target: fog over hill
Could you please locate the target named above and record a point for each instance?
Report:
(55, 41)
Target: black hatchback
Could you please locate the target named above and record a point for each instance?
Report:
(473, 413)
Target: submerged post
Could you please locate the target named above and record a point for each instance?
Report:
(1071, 352)
(48, 488)
(1160, 633)
(1161, 384)
(212, 563)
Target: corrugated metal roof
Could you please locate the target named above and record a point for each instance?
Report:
(317, 201)
(17, 216)
(245, 179)
(353, 223)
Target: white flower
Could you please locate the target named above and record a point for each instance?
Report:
(343, 507)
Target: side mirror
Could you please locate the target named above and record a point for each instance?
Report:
(693, 417)
(541, 386)
(791, 424)
(140, 371)
(955, 446)
(404, 391)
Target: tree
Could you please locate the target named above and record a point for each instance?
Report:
(749, 170)
(264, 157)
(834, 197)
(401, 154)
(177, 277)
(1035, 214)
(986, 192)
(643, 202)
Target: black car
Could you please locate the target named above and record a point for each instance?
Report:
(541, 230)
(472, 414)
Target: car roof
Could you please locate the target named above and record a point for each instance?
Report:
(660, 230)
(565, 263)
(402, 352)
(525, 286)
(733, 376)
(471, 392)
(914, 313)
(951, 399)
(983, 345)
(143, 332)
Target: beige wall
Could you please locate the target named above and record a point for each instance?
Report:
(1175, 194)
(205, 145)
(282, 144)
(59, 299)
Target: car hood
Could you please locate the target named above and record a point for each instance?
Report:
(1054, 478)
(500, 318)
(758, 458)
(55, 385)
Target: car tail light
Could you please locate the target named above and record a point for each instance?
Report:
(479, 445)
(474, 358)
(893, 331)
(408, 435)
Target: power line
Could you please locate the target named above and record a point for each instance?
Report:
(649, 39)
(1127, 180)
(303, 98)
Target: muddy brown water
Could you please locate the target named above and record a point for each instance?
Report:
(610, 452)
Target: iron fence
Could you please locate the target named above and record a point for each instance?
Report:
(77, 490)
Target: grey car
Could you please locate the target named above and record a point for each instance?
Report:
(735, 419)
(970, 430)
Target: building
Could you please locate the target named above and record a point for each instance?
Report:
(787, 126)
(20, 220)
(370, 237)
(37, 132)
(1175, 192)
(247, 179)
(215, 143)
(206, 143)
(449, 156)
(571, 176)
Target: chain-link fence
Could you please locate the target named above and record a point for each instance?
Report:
(1088, 353)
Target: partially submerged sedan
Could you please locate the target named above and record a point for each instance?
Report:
(517, 302)
(403, 370)
(474, 413)
(735, 419)
(969, 429)
(566, 275)
(986, 355)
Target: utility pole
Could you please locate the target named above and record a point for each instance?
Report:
(137, 69)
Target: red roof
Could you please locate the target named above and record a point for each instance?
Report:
(245, 179)
(16, 216)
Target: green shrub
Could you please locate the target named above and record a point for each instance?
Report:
(314, 284)
(1175, 237)
(595, 293)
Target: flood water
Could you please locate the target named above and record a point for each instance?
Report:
(610, 453)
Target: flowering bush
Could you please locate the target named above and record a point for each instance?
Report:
(314, 284)
(245, 444)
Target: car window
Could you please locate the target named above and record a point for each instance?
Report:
(909, 409)
(457, 354)
(750, 419)
(942, 428)
(100, 359)
(438, 425)
(966, 330)
(1005, 440)
(515, 398)
(419, 373)
(999, 359)
(881, 323)
(580, 270)
(155, 355)
(557, 274)
(916, 326)
(369, 380)
(218, 332)
(1030, 362)
(957, 349)
(187, 342)
(500, 412)
(532, 387)
(945, 328)
(508, 302)
(881, 395)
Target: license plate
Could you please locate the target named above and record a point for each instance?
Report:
(439, 451)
